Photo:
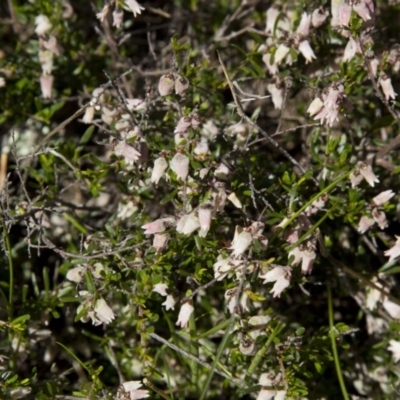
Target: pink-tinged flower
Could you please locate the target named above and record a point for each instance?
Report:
(75, 274)
(318, 17)
(315, 107)
(46, 85)
(181, 84)
(103, 312)
(305, 255)
(89, 115)
(272, 68)
(135, 7)
(43, 25)
(281, 52)
(344, 14)
(364, 8)
(135, 104)
(374, 63)
(183, 125)
(196, 121)
(158, 226)
(209, 131)
(382, 198)
(367, 173)
(180, 165)
(169, 302)
(380, 218)
(308, 258)
(184, 315)
(161, 288)
(394, 251)
(132, 387)
(280, 395)
(125, 150)
(394, 347)
(387, 88)
(67, 11)
(241, 242)
(281, 276)
(166, 84)
(234, 200)
(51, 45)
(365, 223)
(159, 242)
(160, 166)
(351, 49)
(307, 51)
(304, 26)
(316, 205)
(205, 216)
(102, 15)
(272, 15)
(277, 94)
(188, 224)
(118, 18)
(355, 178)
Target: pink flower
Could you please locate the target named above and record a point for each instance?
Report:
(364, 8)
(135, 7)
(132, 387)
(159, 242)
(223, 266)
(380, 218)
(135, 104)
(118, 18)
(272, 15)
(125, 150)
(158, 226)
(181, 84)
(306, 255)
(183, 125)
(180, 165)
(344, 14)
(304, 26)
(46, 85)
(367, 173)
(365, 223)
(394, 251)
(382, 198)
(351, 49)
(184, 315)
(318, 17)
(355, 178)
(166, 84)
